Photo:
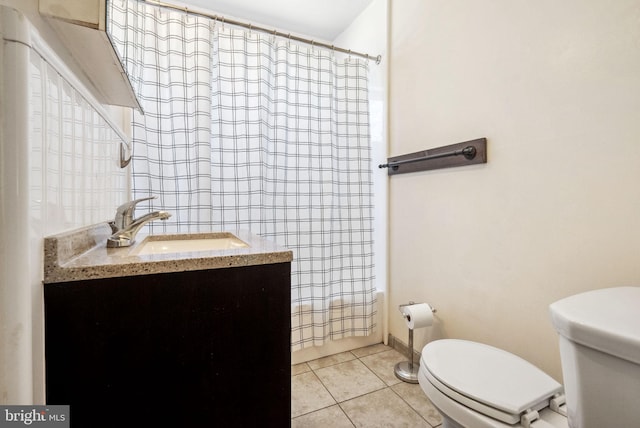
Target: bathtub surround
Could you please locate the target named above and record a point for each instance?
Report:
(554, 87)
(244, 130)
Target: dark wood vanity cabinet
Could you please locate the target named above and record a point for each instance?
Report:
(208, 348)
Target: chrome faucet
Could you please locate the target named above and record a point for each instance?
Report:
(125, 227)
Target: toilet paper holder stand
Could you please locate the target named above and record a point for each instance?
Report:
(407, 371)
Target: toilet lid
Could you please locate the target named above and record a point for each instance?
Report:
(487, 379)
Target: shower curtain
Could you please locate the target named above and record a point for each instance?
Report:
(245, 131)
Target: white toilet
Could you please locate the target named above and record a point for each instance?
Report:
(478, 386)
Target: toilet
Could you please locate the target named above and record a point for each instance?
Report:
(474, 385)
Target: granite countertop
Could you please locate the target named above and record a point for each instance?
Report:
(82, 254)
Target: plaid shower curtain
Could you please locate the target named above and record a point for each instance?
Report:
(245, 131)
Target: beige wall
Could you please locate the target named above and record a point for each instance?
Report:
(555, 88)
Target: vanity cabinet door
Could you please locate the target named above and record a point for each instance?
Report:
(200, 348)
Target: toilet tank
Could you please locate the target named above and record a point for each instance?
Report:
(600, 350)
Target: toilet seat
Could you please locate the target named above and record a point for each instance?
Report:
(488, 380)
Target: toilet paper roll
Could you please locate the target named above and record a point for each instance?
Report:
(418, 315)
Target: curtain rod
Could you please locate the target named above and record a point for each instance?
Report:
(273, 32)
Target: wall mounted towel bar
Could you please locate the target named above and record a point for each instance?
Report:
(467, 153)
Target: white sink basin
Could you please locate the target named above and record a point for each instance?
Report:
(189, 243)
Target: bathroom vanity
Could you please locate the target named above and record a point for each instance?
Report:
(184, 339)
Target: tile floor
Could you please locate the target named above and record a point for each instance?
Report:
(358, 389)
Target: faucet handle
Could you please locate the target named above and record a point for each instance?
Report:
(124, 213)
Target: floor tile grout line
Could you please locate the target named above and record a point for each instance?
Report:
(346, 414)
(371, 370)
(335, 402)
(411, 407)
(386, 385)
(354, 357)
(325, 387)
(324, 408)
(339, 403)
(361, 395)
(351, 352)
